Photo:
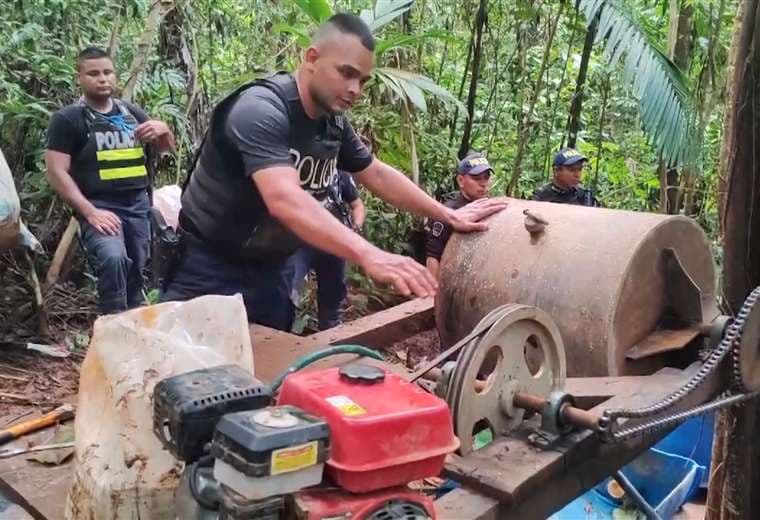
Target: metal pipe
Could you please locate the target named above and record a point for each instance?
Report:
(632, 492)
(568, 415)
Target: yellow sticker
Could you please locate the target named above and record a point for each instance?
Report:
(346, 405)
(294, 458)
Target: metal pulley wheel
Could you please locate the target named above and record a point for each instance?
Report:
(521, 351)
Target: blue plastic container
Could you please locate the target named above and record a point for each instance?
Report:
(693, 439)
(665, 480)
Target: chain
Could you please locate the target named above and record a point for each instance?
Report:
(730, 342)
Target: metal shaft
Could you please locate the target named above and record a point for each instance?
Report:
(568, 414)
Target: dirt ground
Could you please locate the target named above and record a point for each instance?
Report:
(30, 381)
(415, 349)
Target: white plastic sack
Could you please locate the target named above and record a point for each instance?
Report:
(10, 208)
(167, 200)
(121, 470)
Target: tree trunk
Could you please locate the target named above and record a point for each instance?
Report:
(576, 106)
(158, 10)
(480, 21)
(527, 120)
(679, 50)
(113, 41)
(454, 120)
(732, 493)
(728, 118)
(176, 46)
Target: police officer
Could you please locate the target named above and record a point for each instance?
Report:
(257, 192)
(473, 176)
(565, 187)
(344, 203)
(95, 161)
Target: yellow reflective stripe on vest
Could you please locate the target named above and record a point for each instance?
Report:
(120, 155)
(111, 174)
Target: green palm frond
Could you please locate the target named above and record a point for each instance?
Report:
(411, 87)
(384, 12)
(665, 100)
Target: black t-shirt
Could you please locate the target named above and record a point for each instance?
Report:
(68, 133)
(577, 195)
(254, 129)
(437, 233)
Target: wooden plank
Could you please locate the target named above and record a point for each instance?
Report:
(44, 486)
(466, 504)
(274, 351)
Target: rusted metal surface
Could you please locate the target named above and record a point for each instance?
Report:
(661, 341)
(520, 352)
(600, 274)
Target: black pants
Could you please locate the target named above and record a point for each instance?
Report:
(119, 259)
(264, 286)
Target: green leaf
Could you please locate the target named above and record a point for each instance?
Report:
(384, 12)
(661, 89)
(317, 10)
(421, 82)
(302, 37)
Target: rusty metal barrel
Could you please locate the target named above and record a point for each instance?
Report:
(623, 287)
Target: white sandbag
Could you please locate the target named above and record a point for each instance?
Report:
(10, 208)
(120, 469)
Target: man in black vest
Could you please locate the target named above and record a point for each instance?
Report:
(473, 175)
(565, 187)
(96, 163)
(257, 192)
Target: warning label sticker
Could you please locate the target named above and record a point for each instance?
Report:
(346, 405)
(294, 458)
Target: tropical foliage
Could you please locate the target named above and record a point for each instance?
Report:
(494, 76)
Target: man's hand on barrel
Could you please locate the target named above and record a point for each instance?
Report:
(406, 275)
(468, 218)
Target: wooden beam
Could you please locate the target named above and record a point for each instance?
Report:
(274, 351)
(466, 504)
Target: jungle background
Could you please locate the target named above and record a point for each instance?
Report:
(639, 87)
(661, 95)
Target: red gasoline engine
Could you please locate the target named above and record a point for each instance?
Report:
(384, 433)
(342, 443)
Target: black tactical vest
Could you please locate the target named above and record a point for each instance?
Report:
(220, 204)
(119, 163)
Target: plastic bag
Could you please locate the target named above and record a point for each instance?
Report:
(120, 467)
(167, 200)
(10, 208)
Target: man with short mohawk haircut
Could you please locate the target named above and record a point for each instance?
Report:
(258, 189)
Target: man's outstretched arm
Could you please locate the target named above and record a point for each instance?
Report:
(398, 190)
